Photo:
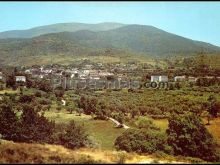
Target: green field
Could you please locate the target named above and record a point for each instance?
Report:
(104, 132)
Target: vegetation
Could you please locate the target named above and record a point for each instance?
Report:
(147, 139)
(74, 136)
(63, 45)
(21, 122)
(188, 137)
(36, 115)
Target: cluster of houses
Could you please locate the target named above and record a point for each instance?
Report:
(164, 78)
(116, 72)
(83, 73)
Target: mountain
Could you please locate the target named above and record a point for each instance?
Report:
(60, 27)
(121, 40)
(138, 39)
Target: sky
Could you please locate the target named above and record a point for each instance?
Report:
(194, 20)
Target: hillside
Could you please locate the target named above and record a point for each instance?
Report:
(11, 152)
(119, 41)
(56, 28)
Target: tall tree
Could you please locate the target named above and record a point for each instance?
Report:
(189, 137)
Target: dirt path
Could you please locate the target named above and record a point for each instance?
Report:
(117, 123)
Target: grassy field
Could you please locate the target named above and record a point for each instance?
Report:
(104, 132)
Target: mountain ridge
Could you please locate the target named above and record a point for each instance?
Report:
(58, 27)
(124, 40)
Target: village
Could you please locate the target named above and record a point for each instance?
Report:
(112, 75)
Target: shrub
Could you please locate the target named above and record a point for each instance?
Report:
(142, 141)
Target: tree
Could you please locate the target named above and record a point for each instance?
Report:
(189, 137)
(102, 111)
(71, 107)
(74, 136)
(59, 93)
(177, 85)
(135, 112)
(88, 105)
(44, 85)
(26, 98)
(34, 127)
(213, 107)
(10, 81)
(171, 86)
(21, 91)
(8, 121)
(38, 94)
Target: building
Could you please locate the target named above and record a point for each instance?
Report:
(154, 78)
(179, 78)
(159, 78)
(20, 78)
(163, 78)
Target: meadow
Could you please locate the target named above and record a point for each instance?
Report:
(104, 132)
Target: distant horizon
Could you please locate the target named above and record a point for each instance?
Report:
(194, 20)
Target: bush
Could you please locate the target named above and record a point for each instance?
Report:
(142, 141)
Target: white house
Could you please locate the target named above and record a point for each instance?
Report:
(159, 78)
(154, 78)
(179, 78)
(163, 79)
(86, 72)
(20, 78)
